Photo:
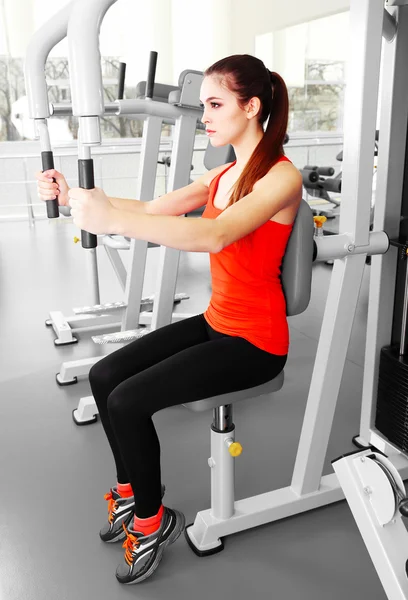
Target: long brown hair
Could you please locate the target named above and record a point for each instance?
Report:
(246, 76)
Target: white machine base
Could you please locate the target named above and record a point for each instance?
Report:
(374, 505)
(87, 411)
(227, 516)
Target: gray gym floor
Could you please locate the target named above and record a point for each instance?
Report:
(54, 474)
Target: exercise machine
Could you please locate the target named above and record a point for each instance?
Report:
(372, 477)
(309, 489)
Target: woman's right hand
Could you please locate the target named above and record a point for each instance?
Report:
(48, 189)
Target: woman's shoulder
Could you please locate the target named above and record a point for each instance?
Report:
(285, 165)
(283, 169)
(207, 178)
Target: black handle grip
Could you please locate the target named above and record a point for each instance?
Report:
(52, 205)
(151, 75)
(309, 177)
(325, 171)
(121, 82)
(310, 167)
(333, 185)
(87, 182)
(330, 185)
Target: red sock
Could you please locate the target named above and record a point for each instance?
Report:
(150, 525)
(124, 490)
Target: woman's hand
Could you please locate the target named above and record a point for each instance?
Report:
(92, 211)
(48, 189)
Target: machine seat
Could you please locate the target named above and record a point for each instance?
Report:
(296, 283)
(222, 400)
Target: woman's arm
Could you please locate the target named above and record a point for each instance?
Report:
(179, 202)
(280, 189)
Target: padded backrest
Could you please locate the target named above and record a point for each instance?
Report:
(297, 262)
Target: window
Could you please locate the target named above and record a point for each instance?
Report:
(312, 59)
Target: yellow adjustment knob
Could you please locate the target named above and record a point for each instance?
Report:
(76, 239)
(319, 221)
(235, 449)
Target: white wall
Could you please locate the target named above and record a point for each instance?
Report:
(192, 33)
(263, 16)
(286, 50)
(186, 33)
(17, 15)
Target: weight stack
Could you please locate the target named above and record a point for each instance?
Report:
(392, 399)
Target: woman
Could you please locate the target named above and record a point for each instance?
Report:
(242, 339)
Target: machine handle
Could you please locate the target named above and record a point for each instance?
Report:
(47, 164)
(325, 171)
(121, 82)
(309, 176)
(151, 75)
(330, 185)
(87, 182)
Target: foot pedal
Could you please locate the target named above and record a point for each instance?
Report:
(120, 336)
(99, 309)
(177, 298)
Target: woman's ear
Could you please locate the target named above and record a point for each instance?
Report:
(253, 107)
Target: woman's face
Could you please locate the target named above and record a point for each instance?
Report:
(225, 121)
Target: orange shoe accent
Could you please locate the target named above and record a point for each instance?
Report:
(112, 505)
(149, 525)
(130, 542)
(124, 490)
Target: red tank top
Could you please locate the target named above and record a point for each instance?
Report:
(247, 298)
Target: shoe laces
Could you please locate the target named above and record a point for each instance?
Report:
(130, 544)
(112, 506)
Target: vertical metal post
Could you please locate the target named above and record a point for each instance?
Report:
(179, 176)
(387, 211)
(30, 211)
(146, 180)
(366, 24)
(403, 342)
(222, 464)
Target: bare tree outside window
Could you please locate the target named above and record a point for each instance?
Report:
(12, 88)
(318, 106)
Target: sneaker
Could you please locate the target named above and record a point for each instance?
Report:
(144, 552)
(120, 512)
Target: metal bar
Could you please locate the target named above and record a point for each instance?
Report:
(360, 111)
(179, 176)
(327, 373)
(390, 176)
(403, 342)
(138, 249)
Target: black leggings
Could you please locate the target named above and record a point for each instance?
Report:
(176, 364)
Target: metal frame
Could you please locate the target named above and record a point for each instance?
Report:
(372, 501)
(308, 488)
(372, 495)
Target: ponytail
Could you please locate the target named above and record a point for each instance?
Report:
(270, 148)
(247, 77)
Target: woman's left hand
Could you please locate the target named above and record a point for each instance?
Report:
(92, 210)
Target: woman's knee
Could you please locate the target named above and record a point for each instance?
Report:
(128, 402)
(97, 374)
(120, 406)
